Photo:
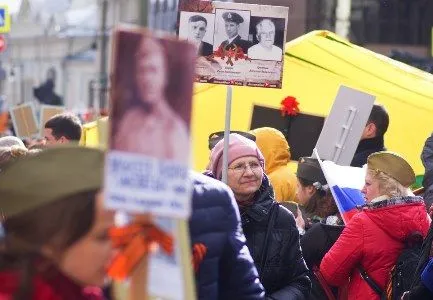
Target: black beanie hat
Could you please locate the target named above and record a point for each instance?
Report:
(309, 169)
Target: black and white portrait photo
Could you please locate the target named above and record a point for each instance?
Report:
(247, 43)
(198, 29)
(232, 29)
(268, 36)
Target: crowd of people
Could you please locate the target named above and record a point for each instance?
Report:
(268, 233)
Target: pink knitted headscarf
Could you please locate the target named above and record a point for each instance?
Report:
(239, 146)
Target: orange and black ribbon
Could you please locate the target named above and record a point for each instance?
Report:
(199, 251)
(135, 241)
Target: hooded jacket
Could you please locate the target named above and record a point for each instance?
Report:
(276, 151)
(373, 240)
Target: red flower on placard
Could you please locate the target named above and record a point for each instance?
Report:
(289, 106)
(220, 52)
(232, 54)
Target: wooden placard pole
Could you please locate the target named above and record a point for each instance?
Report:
(139, 283)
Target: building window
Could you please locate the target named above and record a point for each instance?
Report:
(404, 22)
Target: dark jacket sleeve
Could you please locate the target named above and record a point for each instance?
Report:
(240, 278)
(428, 185)
(424, 259)
(427, 154)
(360, 159)
(317, 241)
(298, 283)
(345, 254)
(418, 292)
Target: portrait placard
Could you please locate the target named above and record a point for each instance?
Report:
(148, 158)
(24, 121)
(344, 125)
(47, 112)
(236, 43)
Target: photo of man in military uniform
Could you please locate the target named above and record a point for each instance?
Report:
(232, 21)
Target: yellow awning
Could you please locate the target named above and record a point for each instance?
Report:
(315, 65)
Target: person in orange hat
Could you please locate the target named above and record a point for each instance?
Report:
(276, 151)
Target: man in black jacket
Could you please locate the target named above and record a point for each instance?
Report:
(232, 21)
(372, 136)
(45, 92)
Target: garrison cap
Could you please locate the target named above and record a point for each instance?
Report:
(393, 165)
(51, 175)
(309, 169)
(233, 17)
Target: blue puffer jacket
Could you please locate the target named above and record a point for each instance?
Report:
(227, 270)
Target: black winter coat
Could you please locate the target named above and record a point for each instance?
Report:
(428, 185)
(279, 260)
(365, 148)
(237, 42)
(315, 244)
(427, 154)
(418, 290)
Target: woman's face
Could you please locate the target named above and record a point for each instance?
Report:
(86, 261)
(371, 188)
(150, 70)
(245, 175)
(304, 193)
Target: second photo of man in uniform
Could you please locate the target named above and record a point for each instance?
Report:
(233, 20)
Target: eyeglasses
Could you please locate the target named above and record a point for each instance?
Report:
(242, 168)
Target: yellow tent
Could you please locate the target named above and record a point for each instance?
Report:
(315, 65)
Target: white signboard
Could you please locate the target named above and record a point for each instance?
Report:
(24, 121)
(139, 183)
(344, 125)
(160, 264)
(47, 112)
(148, 160)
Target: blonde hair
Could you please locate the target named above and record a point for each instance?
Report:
(389, 186)
(11, 153)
